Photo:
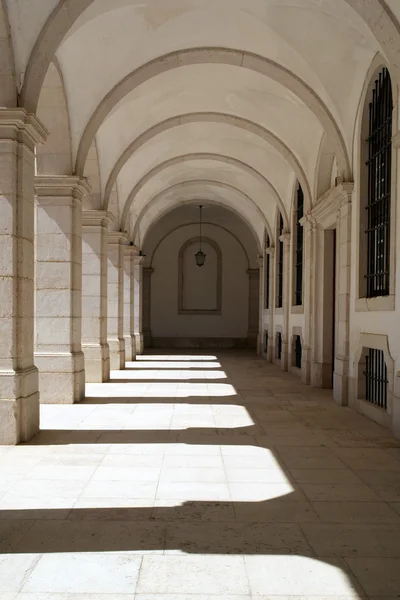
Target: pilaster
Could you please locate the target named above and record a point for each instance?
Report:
(254, 307)
(309, 225)
(58, 350)
(285, 238)
(129, 301)
(19, 384)
(138, 302)
(146, 309)
(272, 275)
(115, 319)
(94, 295)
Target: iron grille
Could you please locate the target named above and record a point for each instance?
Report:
(279, 346)
(376, 379)
(297, 351)
(267, 282)
(279, 303)
(299, 248)
(379, 166)
(266, 341)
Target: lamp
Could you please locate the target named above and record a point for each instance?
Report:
(200, 256)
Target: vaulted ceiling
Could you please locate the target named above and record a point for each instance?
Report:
(230, 101)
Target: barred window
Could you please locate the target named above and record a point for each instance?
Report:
(298, 350)
(267, 274)
(378, 201)
(298, 267)
(279, 274)
(278, 348)
(376, 378)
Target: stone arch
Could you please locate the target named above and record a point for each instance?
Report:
(199, 156)
(65, 14)
(226, 56)
(8, 87)
(54, 157)
(92, 174)
(181, 186)
(323, 171)
(211, 117)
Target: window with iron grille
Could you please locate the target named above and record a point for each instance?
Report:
(279, 345)
(266, 341)
(298, 268)
(267, 274)
(279, 275)
(297, 351)
(376, 378)
(379, 167)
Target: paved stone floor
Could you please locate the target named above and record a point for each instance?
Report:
(204, 478)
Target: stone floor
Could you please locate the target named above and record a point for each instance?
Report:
(202, 478)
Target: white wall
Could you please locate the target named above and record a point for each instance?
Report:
(233, 320)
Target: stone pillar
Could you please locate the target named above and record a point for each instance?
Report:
(343, 253)
(19, 384)
(115, 319)
(309, 226)
(58, 350)
(286, 301)
(137, 305)
(146, 308)
(129, 299)
(94, 295)
(254, 295)
(271, 336)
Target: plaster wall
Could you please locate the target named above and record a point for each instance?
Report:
(233, 320)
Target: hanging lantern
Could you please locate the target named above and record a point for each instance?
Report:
(200, 256)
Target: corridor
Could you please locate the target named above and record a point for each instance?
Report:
(201, 477)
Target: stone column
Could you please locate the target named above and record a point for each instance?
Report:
(129, 299)
(271, 336)
(309, 225)
(146, 309)
(261, 304)
(94, 295)
(58, 350)
(137, 305)
(254, 295)
(343, 253)
(19, 384)
(286, 301)
(115, 319)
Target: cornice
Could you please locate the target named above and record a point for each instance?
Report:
(61, 186)
(332, 201)
(16, 121)
(117, 237)
(95, 218)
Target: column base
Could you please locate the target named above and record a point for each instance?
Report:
(341, 382)
(19, 417)
(139, 343)
(97, 362)
(322, 375)
(61, 377)
(117, 354)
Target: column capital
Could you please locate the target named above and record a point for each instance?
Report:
(331, 202)
(139, 260)
(253, 272)
(260, 260)
(148, 271)
(61, 186)
(96, 218)
(285, 238)
(270, 250)
(308, 222)
(117, 238)
(130, 250)
(18, 125)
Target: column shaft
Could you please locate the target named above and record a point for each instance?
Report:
(19, 387)
(115, 318)
(94, 295)
(254, 307)
(58, 350)
(137, 306)
(286, 300)
(146, 310)
(129, 300)
(271, 336)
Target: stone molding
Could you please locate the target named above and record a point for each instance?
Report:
(117, 237)
(139, 260)
(330, 203)
(96, 218)
(16, 124)
(130, 250)
(61, 186)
